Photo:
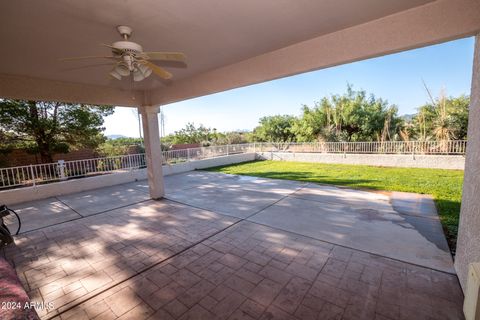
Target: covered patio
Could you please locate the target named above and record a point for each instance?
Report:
(236, 247)
(201, 245)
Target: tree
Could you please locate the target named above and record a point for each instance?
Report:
(121, 146)
(276, 129)
(231, 137)
(314, 122)
(352, 116)
(192, 134)
(51, 127)
(444, 118)
(458, 109)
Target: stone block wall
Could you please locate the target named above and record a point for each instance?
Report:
(456, 162)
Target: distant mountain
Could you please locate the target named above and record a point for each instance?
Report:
(115, 136)
(407, 117)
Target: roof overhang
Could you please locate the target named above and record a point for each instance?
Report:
(423, 23)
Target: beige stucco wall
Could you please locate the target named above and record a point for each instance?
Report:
(20, 195)
(468, 243)
(384, 160)
(22, 87)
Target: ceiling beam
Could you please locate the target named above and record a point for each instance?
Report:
(436, 22)
(25, 88)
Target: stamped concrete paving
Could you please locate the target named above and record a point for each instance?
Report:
(194, 259)
(251, 271)
(357, 219)
(79, 258)
(360, 225)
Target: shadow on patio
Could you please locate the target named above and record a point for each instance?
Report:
(236, 248)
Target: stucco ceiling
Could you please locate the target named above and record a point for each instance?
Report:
(212, 33)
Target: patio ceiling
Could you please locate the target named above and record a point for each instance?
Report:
(228, 43)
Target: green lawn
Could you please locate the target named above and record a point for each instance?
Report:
(444, 185)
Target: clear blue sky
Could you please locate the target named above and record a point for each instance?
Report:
(397, 78)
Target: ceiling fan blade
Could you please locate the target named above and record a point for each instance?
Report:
(166, 56)
(159, 71)
(111, 47)
(87, 57)
(107, 45)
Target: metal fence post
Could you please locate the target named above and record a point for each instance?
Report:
(61, 169)
(188, 155)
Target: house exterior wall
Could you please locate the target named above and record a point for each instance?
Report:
(468, 243)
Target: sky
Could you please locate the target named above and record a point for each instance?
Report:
(397, 77)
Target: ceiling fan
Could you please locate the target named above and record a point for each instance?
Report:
(130, 59)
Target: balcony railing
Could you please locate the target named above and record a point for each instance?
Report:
(32, 175)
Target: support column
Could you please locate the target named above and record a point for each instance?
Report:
(153, 151)
(468, 243)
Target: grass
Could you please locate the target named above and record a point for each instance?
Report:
(444, 185)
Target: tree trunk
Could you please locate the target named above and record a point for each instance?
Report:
(39, 133)
(46, 157)
(45, 154)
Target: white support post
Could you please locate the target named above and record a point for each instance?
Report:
(468, 243)
(153, 150)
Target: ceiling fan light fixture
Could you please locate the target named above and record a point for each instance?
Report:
(146, 71)
(131, 60)
(138, 75)
(122, 70)
(115, 74)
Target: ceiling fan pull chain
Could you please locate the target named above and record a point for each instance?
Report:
(132, 86)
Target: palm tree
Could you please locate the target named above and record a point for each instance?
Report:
(443, 129)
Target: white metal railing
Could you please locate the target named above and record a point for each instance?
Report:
(184, 155)
(452, 147)
(63, 170)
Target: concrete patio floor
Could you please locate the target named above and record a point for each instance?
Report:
(231, 247)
